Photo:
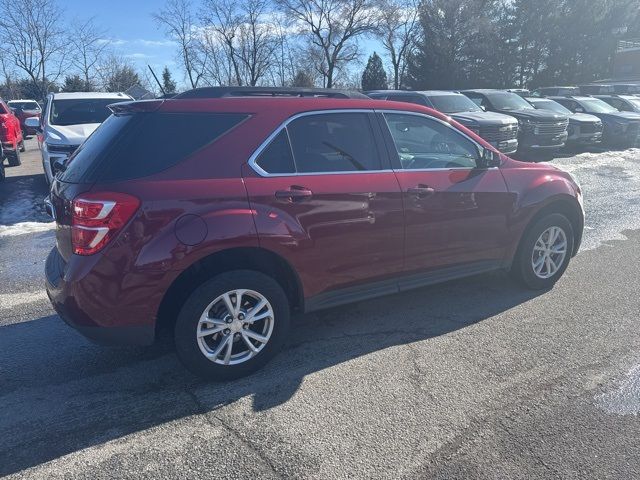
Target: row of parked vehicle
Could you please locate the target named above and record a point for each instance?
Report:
(62, 125)
(520, 121)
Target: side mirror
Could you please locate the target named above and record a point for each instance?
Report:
(33, 122)
(489, 159)
(484, 109)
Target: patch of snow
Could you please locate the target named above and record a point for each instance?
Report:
(625, 398)
(23, 228)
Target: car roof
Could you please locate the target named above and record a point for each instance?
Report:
(432, 93)
(573, 97)
(285, 107)
(91, 95)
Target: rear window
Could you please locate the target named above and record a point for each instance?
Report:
(134, 146)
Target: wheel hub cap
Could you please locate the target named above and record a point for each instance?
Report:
(549, 252)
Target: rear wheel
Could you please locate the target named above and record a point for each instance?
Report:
(14, 157)
(232, 325)
(2, 172)
(544, 252)
(22, 147)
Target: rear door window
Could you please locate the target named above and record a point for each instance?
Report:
(133, 146)
(277, 157)
(334, 142)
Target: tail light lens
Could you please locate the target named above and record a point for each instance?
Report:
(97, 218)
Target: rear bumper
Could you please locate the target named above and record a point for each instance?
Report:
(94, 323)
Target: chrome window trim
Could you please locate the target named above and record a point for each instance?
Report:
(263, 173)
(252, 162)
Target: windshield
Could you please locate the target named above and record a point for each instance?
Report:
(635, 102)
(454, 103)
(80, 111)
(24, 105)
(551, 105)
(508, 101)
(594, 105)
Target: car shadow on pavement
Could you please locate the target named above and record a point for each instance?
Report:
(61, 394)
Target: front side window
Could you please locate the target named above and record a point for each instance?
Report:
(334, 142)
(423, 143)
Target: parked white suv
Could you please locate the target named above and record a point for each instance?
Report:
(68, 119)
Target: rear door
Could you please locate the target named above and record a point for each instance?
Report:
(324, 197)
(455, 213)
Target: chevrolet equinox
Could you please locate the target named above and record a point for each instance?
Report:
(218, 212)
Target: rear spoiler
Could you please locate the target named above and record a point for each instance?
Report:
(127, 108)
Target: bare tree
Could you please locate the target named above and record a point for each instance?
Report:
(397, 25)
(32, 37)
(246, 33)
(333, 26)
(89, 46)
(177, 19)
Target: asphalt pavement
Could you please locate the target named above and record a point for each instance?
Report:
(476, 378)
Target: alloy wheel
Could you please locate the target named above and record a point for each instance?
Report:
(549, 252)
(235, 327)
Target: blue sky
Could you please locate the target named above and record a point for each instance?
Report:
(130, 24)
(136, 35)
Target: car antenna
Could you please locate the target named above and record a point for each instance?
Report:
(156, 79)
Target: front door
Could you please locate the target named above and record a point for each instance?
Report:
(456, 213)
(325, 198)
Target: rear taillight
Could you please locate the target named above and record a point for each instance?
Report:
(97, 218)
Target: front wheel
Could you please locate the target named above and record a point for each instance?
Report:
(232, 325)
(544, 252)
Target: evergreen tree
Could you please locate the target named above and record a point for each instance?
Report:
(302, 79)
(75, 83)
(374, 77)
(122, 78)
(168, 85)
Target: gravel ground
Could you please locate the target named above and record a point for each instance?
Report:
(471, 379)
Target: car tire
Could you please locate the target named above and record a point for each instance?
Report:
(2, 172)
(22, 147)
(14, 158)
(206, 354)
(538, 264)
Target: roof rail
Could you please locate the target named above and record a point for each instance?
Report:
(225, 92)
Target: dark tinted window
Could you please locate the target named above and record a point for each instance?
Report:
(333, 142)
(133, 146)
(277, 157)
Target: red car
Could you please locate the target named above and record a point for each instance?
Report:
(218, 212)
(24, 109)
(10, 135)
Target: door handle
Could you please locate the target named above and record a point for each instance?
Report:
(421, 191)
(294, 194)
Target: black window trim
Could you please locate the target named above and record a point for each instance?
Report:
(393, 151)
(380, 147)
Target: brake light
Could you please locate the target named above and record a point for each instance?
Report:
(97, 218)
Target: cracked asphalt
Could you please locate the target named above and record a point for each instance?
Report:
(471, 379)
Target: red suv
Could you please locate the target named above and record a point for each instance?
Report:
(10, 134)
(220, 211)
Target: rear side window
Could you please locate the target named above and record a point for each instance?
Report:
(139, 145)
(333, 142)
(277, 157)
